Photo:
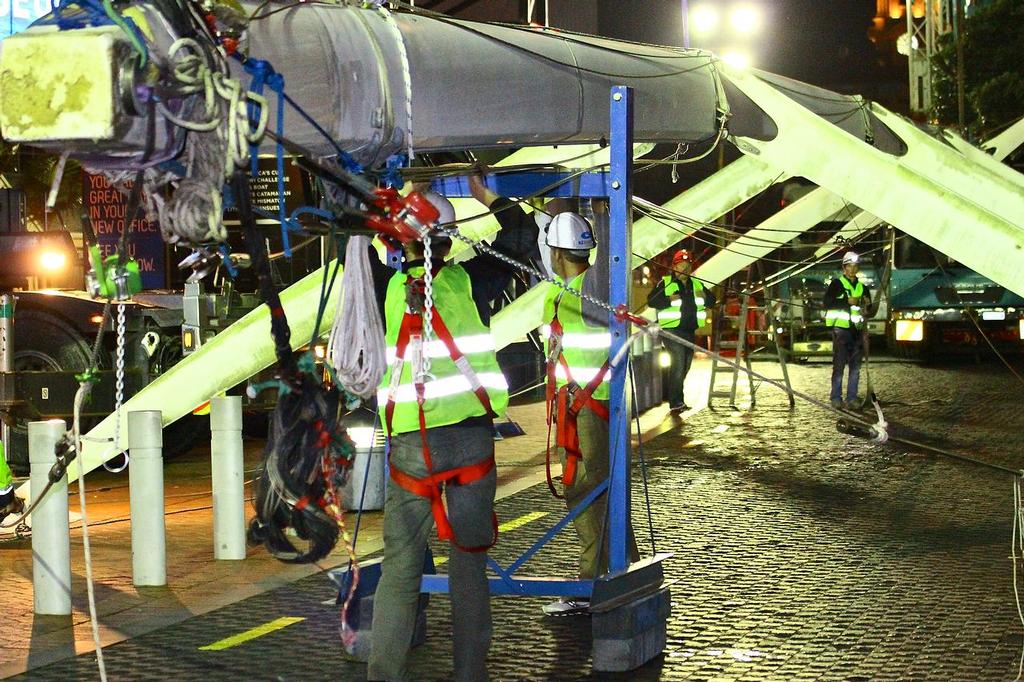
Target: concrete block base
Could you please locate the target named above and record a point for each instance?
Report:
(630, 635)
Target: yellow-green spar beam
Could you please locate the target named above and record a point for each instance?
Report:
(245, 348)
(932, 192)
(226, 360)
(706, 201)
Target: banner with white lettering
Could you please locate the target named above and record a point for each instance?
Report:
(106, 208)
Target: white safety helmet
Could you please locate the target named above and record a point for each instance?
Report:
(851, 258)
(443, 206)
(570, 231)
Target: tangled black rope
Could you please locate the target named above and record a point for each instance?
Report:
(308, 452)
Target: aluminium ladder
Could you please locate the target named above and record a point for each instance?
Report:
(770, 349)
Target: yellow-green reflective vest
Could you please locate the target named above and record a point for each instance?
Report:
(449, 396)
(585, 347)
(670, 317)
(6, 478)
(844, 317)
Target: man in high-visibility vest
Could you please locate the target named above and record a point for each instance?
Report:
(846, 303)
(579, 388)
(440, 423)
(681, 302)
(9, 503)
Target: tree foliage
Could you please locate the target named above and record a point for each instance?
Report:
(993, 70)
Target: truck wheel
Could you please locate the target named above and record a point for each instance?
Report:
(42, 343)
(185, 434)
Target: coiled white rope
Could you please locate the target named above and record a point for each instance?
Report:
(356, 346)
(219, 136)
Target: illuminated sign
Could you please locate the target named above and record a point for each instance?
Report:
(106, 208)
(16, 15)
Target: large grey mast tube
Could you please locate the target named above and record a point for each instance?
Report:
(473, 85)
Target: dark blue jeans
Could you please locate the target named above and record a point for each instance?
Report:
(847, 350)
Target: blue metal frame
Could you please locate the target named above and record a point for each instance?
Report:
(531, 183)
(620, 208)
(617, 186)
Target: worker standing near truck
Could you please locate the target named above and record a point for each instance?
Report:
(847, 303)
(440, 422)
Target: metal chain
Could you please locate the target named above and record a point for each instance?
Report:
(606, 306)
(529, 269)
(119, 375)
(428, 307)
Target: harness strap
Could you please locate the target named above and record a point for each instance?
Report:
(430, 487)
(564, 405)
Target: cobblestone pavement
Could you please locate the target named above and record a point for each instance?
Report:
(800, 553)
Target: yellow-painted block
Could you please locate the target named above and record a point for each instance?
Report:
(59, 85)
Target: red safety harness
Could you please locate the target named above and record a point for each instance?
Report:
(429, 486)
(564, 404)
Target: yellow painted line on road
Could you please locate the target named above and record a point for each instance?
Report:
(504, 528)
(258, 631)
(521, 521)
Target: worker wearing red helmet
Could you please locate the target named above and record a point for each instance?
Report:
(681, 302)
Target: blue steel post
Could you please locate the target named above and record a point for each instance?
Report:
(619, 251)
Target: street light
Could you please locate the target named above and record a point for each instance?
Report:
(745, 19)
(704, 20)
(729, 28)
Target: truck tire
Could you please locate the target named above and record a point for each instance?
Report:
(186, 433)
(42, 342)
(45, 342)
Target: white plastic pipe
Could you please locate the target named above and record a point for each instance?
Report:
(146, 497)
(51, 536)
(228, 479)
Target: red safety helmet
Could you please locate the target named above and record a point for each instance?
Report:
(680, 256)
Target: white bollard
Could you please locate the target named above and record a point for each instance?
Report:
(228, 478)
(51, 536)
(146, 497)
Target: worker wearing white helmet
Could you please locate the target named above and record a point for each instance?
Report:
(578, 384)
(441, 434)
(847, 301)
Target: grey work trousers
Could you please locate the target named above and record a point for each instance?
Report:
(682, 358)
(407, 523)
(590, 525)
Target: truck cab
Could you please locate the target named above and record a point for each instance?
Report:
(937, 302)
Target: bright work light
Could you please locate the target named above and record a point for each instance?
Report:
(737, 59)
(745, 20)
(703, 20)
(52, 261)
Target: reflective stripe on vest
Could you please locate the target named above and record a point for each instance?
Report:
(448, 391)
(851, 315)
(670, 317)
(469, 345)
(584, 347)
